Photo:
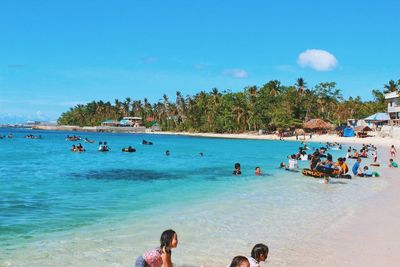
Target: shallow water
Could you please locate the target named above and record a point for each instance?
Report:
(59, 208)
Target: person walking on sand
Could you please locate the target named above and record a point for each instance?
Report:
(375, 155)
(393, 151)
(160, 256)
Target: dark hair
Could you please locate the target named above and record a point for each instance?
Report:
(257, 168)
(238, 260)
(329, 157)
(258, 250)
(237, 165)
(166, 239)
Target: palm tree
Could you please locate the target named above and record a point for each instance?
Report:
(126, 106)
(300, 84)
(391, 87)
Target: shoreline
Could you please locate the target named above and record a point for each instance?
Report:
(375, 140)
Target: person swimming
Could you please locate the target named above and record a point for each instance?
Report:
(237, 170)
(167, 153)
(144, 142)
(80, 147)
(258, 171)
(128, 149)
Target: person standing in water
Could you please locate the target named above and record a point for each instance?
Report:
(160, 256)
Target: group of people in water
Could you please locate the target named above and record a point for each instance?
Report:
(103, 146)
(162, 255)
(322, 164)
(7, 136)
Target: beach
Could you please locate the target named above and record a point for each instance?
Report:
(108, 208)
(371, 236)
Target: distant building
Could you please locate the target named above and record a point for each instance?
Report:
(111, 123)
(125, 122)
(131, 121)
(393, 100)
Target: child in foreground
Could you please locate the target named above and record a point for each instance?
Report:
(240, 261)
(160, 256)
(259, 253)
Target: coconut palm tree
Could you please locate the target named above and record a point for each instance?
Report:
(392, 86)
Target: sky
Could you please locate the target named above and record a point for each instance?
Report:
(56, 54)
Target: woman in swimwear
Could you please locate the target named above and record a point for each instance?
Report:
(160, 256)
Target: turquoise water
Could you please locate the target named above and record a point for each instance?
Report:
(49, 195)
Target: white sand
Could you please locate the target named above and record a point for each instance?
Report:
(372, 236)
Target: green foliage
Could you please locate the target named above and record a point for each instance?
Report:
(270, 106)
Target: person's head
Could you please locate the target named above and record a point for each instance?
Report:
(258, 170)
(349, 150)
(282, 165)
(293, 156)
(259, 252)
(358, 160)
(237, 166)
(105, 143)
(73, 146)
(167, 152)
(100, 143)
(392, 146)
(340, 160)
(168, 240)
(129, 147)
(201, 154)
(390, 160)
(240, 261)
(329, 157)
(365, 168)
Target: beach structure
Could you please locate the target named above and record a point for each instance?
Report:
(125, 122)
(393, 108)
(362, 131)
(110, 123)
(317, 125)
(348, 132)
(131, 121)
(378, 119)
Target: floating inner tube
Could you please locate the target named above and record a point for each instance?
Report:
(318, 174)
(128, 150)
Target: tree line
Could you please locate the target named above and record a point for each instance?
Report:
(270, 106)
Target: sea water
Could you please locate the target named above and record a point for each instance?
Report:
(60, 208)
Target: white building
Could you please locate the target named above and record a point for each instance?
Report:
(393, 100)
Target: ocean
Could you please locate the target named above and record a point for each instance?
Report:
(60, 208)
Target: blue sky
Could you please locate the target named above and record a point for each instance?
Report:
(55, 54)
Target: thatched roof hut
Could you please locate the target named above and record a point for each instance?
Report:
(362, 129)
(317, 124)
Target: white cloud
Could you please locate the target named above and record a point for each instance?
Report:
(319, 60)
(236, 73)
